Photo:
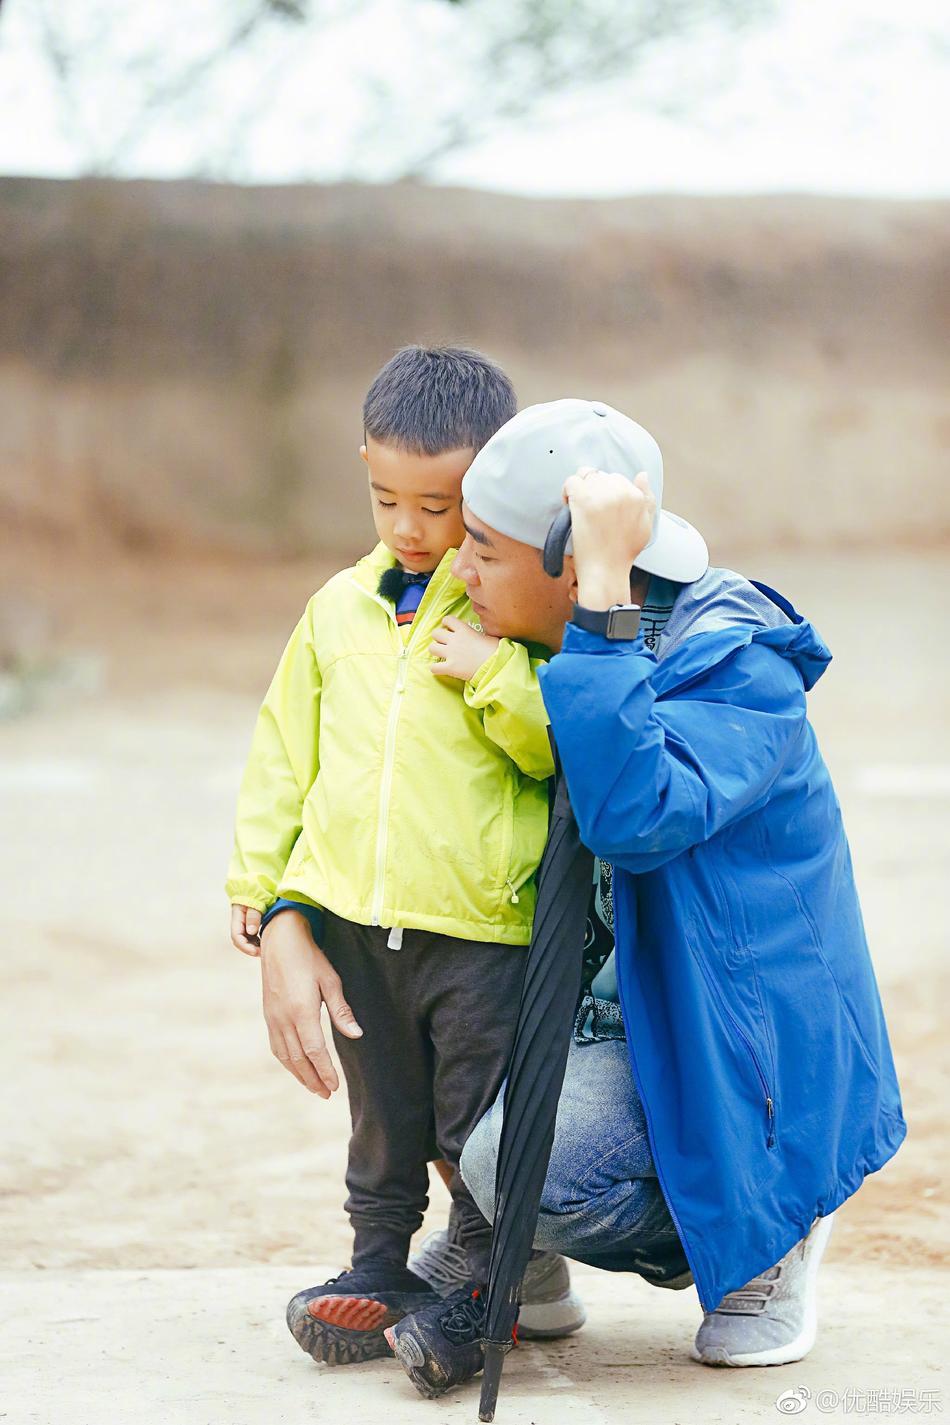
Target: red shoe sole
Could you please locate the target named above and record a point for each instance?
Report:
(352, 1313)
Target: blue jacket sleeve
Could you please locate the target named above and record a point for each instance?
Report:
(313, 914)
(650, 776)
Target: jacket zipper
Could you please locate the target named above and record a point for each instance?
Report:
(698, 1282)
(385, 795)
(651, 1136)
(750, 1050)
(382, 830)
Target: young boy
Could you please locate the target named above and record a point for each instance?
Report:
(390, 823)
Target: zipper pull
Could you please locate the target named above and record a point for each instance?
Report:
(395, 938)
(514, 894)
(770, 1110)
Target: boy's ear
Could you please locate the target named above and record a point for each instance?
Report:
(363, 455)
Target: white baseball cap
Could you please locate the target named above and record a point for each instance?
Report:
(515, 483)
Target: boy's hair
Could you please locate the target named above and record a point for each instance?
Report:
(429, 399)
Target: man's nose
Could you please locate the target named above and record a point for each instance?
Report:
(463, 565)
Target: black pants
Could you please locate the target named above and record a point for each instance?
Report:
(438, 1019)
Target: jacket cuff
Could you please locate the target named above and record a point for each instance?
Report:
(493, 664)
(315, 916)
(254, 899)
(581, 640)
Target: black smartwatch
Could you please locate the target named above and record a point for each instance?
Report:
(619, 621)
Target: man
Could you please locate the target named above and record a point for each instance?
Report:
(745, 1086)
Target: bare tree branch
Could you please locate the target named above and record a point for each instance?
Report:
(555, 47)
(522, 53)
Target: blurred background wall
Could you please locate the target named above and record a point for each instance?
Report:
(727, 217)
(184, 363)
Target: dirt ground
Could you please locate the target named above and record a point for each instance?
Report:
(145, 1124)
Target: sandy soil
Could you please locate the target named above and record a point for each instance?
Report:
(145, 1124)
(209, 1347)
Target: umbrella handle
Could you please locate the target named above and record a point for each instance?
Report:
(558, 535)
(495, 1353)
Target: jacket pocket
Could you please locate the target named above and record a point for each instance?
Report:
(526, 837)
(793, 896)
(741, 1038)
(730, 908)
(504, 877)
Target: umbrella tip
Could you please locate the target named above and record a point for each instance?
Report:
(491, 1379)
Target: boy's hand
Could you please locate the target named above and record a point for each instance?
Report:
(297, 979)
(460, 648)
(245, 929)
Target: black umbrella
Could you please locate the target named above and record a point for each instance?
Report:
(549, 996)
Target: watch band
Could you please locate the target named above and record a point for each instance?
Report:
(620, 621)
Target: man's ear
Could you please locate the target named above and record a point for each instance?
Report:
(570, 577)
(639, 585)
(363, 455)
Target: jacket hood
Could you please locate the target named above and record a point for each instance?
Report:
(730, 612)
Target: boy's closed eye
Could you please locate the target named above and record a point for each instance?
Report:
(391, 505)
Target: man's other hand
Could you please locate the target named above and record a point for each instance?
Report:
(611, 523)
(297, 979)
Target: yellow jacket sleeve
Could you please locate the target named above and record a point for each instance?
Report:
(506, 687)
(280, 771)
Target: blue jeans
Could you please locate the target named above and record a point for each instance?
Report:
(602, 1203)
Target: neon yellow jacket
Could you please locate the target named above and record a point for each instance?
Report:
(384, 793)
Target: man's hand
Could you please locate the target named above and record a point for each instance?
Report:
(297, 980)
(245, 929)
(460, 648)
(611, 523)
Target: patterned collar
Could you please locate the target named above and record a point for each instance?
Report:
(394, 581)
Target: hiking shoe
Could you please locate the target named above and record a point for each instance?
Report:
(342, 1321)
(772, 1320)
(549, 1308)
(441, 1345)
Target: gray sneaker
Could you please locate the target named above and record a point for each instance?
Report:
(772, 1320)
(549, 1307)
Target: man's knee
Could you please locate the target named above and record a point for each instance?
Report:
(477, 1166)
(555, 1233)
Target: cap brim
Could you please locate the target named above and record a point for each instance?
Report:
(678, 551)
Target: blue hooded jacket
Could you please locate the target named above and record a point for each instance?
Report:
(754, 1024)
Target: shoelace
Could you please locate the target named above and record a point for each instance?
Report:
(753, 1298)
(462, 1323)
(445, 1263)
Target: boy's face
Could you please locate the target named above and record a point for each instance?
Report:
(417, 502)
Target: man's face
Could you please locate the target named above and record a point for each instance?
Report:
(416, 502)
(508, 588)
